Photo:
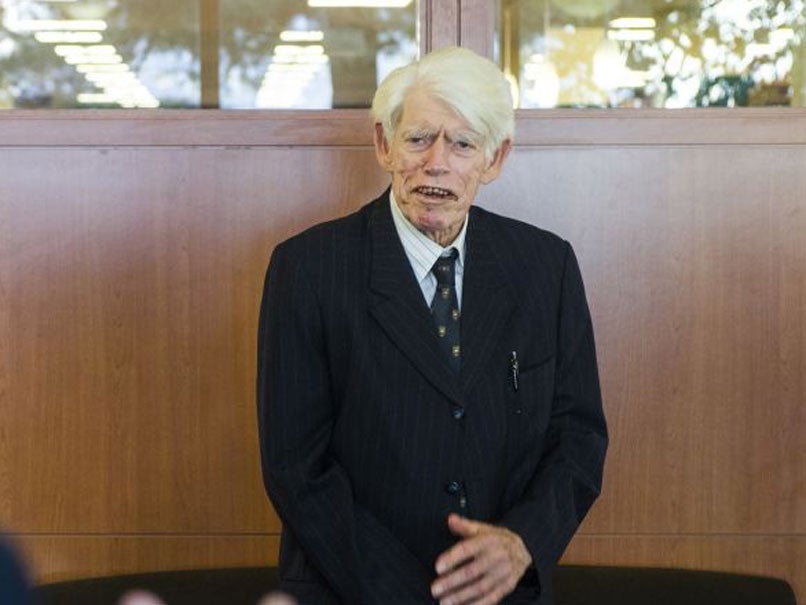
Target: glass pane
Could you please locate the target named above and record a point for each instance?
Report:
(99, 53)
(662, 53)
(201, 53)
(305, 56)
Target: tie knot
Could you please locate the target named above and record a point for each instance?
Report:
(443, 268)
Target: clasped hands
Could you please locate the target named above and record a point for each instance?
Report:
(483, 567)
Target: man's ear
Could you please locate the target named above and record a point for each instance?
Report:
(382, 151)
(494, 166)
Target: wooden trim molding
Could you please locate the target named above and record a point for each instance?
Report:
(440, 23)
(477, 25)
(653, 127)
(352, 127)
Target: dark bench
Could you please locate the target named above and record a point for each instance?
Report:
(574, 585)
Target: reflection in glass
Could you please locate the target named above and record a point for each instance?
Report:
(200, 53)
(300, 56)
(99, 53)
(663, 53)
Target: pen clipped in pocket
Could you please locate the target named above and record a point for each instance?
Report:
(531, 386)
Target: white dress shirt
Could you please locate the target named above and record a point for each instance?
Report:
(423, 252)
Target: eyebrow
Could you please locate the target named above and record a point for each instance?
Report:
(463, 134)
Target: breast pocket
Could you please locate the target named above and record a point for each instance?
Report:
(531, 403)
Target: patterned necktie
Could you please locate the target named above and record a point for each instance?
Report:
(445, 307)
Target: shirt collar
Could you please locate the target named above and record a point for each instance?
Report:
(422, 251)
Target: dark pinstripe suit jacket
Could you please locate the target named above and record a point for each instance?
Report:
(369, 440)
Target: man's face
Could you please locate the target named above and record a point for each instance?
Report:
(437, 162)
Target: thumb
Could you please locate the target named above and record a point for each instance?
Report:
(461, 526)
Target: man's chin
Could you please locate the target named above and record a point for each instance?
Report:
(430, 224)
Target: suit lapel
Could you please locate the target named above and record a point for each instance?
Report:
(398, 305)
(488, 302)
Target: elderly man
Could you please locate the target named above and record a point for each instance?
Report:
(430, 418)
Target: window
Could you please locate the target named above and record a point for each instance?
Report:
(661, 53)
(201, 53)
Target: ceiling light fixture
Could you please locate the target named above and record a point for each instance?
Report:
(95, 98)
(631, 35)
(633, 23)
(64, 50)
(359, 3)
(293, 49)
(86, 68)
(302, 36)
(63, 37)
(93, 59)
(61, 25)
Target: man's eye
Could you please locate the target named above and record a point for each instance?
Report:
(416, 141)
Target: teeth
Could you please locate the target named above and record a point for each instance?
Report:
(434, 191)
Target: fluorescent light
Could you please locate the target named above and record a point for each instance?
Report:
(300, 59)
(633, 23)
(285, 67)
(62, 25)
(85, 68)
(68, 37)
(289, 76)
(64, 50)
(631, 35)
(292, 49)
(95, 97)
(125, 76)
(359, 3)
(95, 76)
(302, 36)
(129, 94)
(94, 59)
(125, 101)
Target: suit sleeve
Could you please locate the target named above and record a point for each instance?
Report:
(568, 478)
(310, 491)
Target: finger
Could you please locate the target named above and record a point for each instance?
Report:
(494, 597)
(491, 570)
(479, 590)
(493, 580)
(489, 559)
(464, 527)
(457, 579)
(459, 553)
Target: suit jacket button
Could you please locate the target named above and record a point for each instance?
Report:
(453, 488)
(458, 413)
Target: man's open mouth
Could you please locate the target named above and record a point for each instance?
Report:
(436, 192)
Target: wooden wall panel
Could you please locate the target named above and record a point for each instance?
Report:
(696, 272)
(131, 281)
(695, 265)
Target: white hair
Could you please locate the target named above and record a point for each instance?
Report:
(468, 83)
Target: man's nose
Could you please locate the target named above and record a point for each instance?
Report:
(436, 157)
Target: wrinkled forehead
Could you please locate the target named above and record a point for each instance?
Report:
(423, 110)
